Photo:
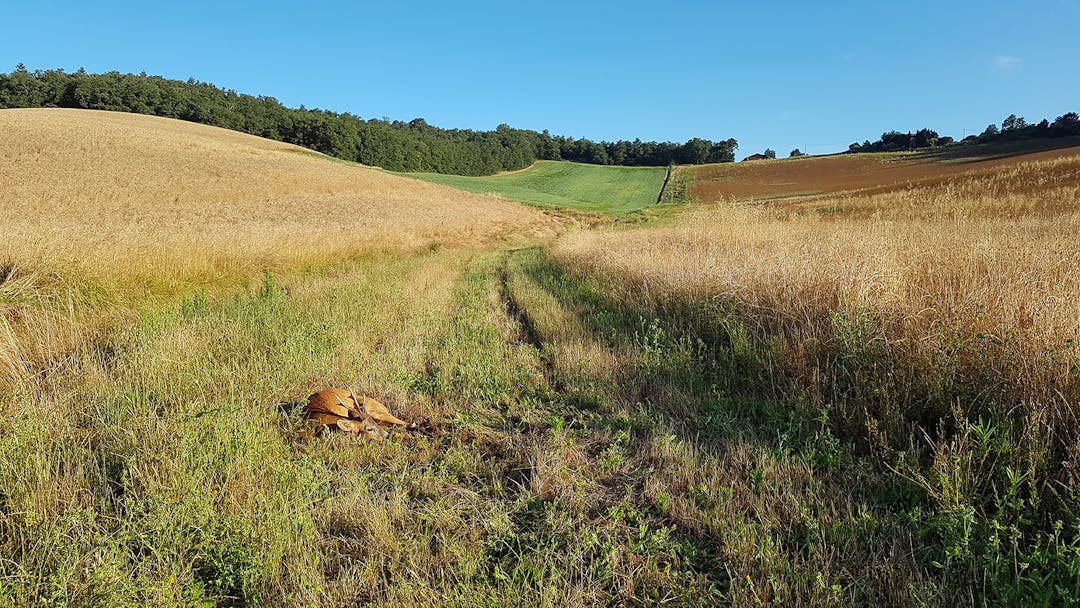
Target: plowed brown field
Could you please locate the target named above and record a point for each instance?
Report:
(872, 173)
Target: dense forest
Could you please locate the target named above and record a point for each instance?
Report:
(1012, 128)
(394, 145)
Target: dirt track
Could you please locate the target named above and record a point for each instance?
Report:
(848, 172)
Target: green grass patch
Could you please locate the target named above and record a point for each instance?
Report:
(565, 185)
(576, 450)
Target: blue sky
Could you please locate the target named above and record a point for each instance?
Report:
(779, 74)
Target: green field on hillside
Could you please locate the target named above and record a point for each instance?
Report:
(577, 186)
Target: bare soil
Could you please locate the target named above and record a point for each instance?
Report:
(872, 173)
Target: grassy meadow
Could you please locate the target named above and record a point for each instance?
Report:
(566, 185)
(854, 399)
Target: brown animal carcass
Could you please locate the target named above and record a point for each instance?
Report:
(378, 412)
(338, 408)
(348, 404)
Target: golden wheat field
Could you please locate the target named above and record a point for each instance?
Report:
(979, 263)
(105, 190)
(104, 210)
(862, 398)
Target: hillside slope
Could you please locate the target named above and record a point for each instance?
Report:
(581, 187)
(81, 185)
(867, 172)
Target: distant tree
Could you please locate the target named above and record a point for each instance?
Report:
(393, 144)
(926, 138)
(1066, 124)
(723, 151)
(594, 153)
(1012, 123)
(990, 132)
(796, 152)
(891, 141)
(770, 153)
(618, 152)
(695, 151)
(547, 148)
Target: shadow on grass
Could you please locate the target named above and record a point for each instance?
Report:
(870, 437)
(682, 436)
(722, 376)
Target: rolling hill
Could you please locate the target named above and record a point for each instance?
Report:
(877, 172)
(101, 188)
(595, 188)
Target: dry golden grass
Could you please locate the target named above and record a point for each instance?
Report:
(584, 442)
(978, 272)
(139, 196)
(929, 335)
(113, 207)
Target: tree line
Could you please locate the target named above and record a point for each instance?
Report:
(1012, 128)
(395, 145)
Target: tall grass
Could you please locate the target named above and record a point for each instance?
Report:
(968, 270)
(168, 463)
(937, 328)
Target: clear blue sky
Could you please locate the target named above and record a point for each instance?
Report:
(779, 74)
